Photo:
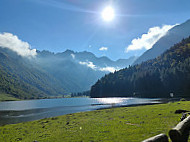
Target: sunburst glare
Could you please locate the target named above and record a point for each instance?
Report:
(108, 14)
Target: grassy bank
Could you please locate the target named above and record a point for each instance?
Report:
(7, 97)
(127, 124)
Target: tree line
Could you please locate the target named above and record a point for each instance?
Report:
(160, 77)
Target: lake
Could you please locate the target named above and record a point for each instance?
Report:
(12, 112)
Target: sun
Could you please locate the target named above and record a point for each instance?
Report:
(108, 14)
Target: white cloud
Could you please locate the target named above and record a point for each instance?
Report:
(12, 42)
(109, 69)
(94, 67)
(73, 56)
(146, 41)
(103, 49)
(89, 64)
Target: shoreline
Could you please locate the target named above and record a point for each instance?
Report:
(16, 113)
(6, 112)
(157, 102)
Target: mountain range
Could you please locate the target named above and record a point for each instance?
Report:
(49, 74)
(78, 70)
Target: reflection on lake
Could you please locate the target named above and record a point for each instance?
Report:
(21, 111)
(118, 101)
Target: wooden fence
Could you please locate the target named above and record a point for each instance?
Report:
(180, 133)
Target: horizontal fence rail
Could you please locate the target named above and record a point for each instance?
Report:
(158, 138)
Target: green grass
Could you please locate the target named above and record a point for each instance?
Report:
(7, 97)
(126, 124)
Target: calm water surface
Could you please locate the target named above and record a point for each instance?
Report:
(21, 111)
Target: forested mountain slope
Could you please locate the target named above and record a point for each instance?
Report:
(23, 80)
(168, 73)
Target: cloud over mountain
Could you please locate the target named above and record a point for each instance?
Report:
(89, 64)
(12, 42)
(146, 41)
(109, 69)
(73, 56)
(103, 49)
(103, 69)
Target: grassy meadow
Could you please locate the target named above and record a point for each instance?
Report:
(124, 124)
(7, 97)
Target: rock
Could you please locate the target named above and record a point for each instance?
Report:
(180, 111)
(67, 123)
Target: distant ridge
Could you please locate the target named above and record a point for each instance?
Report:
(78, 70)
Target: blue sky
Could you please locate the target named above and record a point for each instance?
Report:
(57, 25)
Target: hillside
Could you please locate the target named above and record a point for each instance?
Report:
(20, 79)
(173, 36)
(168, 73)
